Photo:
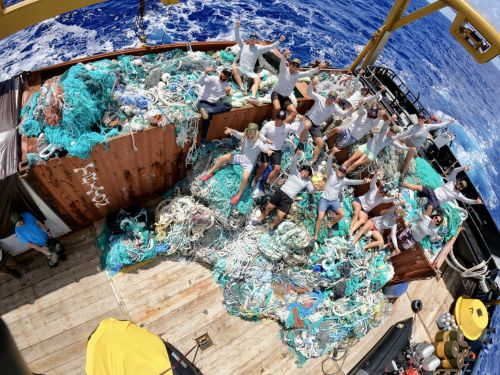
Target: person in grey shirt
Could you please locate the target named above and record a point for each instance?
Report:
(415, 136)
(249, 53)
(331, 197)
(283, 198)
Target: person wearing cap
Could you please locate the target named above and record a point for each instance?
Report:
(35, 234)
(251, 147)
(359, 128)
(282, 199)
(249, 53)
(322, 109)
(363, 204)
(448, 192)
(213, 90)
(331, 197)
(415, 136)
(363, 92)
(288, 77)
(377, 225)
(274, 133)
(369, 151)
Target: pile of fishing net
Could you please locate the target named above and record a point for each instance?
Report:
(127, 238)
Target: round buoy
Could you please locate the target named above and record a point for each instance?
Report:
(454, 335)
(447, 349)
(416, 305)
(456, 363)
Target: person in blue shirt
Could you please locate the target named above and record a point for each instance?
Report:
(36, 235)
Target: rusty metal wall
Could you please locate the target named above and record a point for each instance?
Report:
(114, 176)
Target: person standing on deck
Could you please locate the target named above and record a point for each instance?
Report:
(274, 133)
(364, 123)
(251, 147)
(331, 197)
(322, 109)
(415, 136)
(282, 199)
(213, 90)
(362, 92)
(288, 77)
(36, 235)
(249, 53)
(448, 192)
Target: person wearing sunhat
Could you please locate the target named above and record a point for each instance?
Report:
(251, 148)
(415, 136)
(288, 77)
(322, 109)
(35, 234)
(249, 53)
(213, 90)
(448, 192)
(274, 133)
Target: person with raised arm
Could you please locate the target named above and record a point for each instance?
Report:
(249, 53)
(363, 204)
(288, 77)
(251, 147)
(423, 226)
(322, 109)
(331, 197)
(363, 92)
(282, 199)
(415, 136)
(448, 192)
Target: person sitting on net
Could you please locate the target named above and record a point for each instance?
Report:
(213, 90)
(355, 131)
(331, 197)
(36, 235)
(288, 77)
(363, 204)
(274, 133)
(322, 109)
(251, 147)
(363, 92)
(423, 226)
(283, 198)
(415, 136)
(448, 192)
(249, 53)
(377, 225)
(369, 151)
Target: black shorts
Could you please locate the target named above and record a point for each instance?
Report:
(284, 100)
(274, 159)
(281, 200)
(431, 197)
(315, 130)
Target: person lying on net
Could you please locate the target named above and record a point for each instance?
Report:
(415, 136)
(251, 147)
(423, 226)
(213, 90)
(331, 197)
(369, 151)
(274, 133)
(377, 225)
(282, 199)
(363, 204)
(448, 192)
(288, 77)
(249, 53)
(355, 131)
(322, 109)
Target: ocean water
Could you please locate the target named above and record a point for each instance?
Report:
(424, 54)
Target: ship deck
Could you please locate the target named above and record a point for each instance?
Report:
(52, 311)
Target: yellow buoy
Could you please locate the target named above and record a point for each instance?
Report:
(471, 316)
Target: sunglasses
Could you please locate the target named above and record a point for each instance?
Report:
(297, 65)
(438, 219)
(251, 130)
(332, 97)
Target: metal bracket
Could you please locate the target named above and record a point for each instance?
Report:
(204, 341)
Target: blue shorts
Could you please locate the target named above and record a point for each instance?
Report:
(345, 138)
(325, 205)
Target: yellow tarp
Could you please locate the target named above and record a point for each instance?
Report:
(122, 348)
